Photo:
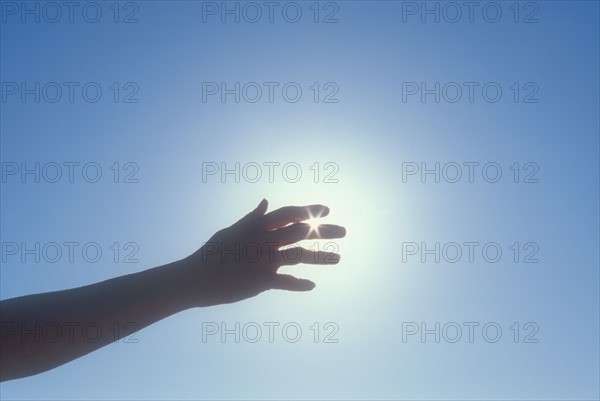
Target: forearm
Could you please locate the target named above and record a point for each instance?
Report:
(42, 331)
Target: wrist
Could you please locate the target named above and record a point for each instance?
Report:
(192, 282)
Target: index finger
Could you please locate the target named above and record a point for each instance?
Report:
(293, 214)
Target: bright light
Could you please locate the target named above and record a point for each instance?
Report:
(314, 222)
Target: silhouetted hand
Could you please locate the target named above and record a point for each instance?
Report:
(242, 260)
(238, 262)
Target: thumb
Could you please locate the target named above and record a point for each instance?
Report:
(261, 208)
(252, 217)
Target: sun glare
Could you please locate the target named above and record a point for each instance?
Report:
(314, 222)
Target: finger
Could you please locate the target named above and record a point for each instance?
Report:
(255, 214)
(292, 214)
(262, 207)
(290, 283)
(302, 231)
(296, 255)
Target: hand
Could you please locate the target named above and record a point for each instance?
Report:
(242, 261)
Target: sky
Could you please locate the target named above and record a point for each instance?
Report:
(457, 143)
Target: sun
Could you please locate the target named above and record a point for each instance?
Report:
(314, 222)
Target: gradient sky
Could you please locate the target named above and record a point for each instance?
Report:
(370, 57)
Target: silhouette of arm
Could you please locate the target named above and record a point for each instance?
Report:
(43, 331)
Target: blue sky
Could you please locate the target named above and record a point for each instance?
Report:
(161, 133)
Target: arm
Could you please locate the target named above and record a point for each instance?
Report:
(43, 331)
